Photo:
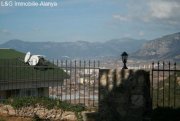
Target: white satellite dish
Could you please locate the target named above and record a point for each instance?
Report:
(34, 60)
(27, 57)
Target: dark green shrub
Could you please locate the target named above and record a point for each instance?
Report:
(70, 107)
(45, 102)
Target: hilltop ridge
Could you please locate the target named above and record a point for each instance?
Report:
(78, 49)
(166, 47)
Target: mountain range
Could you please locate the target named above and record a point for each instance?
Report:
(78, 49)
(165, 47)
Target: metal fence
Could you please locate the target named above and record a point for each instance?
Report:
(165, 85)
(78, 81)
(72, 81)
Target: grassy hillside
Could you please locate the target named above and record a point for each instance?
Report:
(10, 53)
(12, 68)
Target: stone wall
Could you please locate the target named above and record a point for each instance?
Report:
(41, 112)
(124, 95)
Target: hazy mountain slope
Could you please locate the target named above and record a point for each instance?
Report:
(166, 47)
(79, 49)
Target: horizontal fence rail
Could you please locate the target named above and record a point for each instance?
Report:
(165, 85)
(72, 81)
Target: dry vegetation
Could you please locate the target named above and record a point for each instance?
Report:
(4, 117)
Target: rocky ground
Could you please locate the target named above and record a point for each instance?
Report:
(8, 113)
(5, 117)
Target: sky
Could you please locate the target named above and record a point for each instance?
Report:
(89, 20)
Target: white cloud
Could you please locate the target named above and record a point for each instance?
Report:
(127, 35)
(121, 18)
(155, 11)
(163, 12)
(5, 32)
(141, 33)
(164, 9)
(36, 29)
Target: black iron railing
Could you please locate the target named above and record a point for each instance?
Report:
(71, 81)
(165, 85)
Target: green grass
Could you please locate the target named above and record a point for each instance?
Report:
(15, 70)
(48, 103)
(12, 68)
(10, 53)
